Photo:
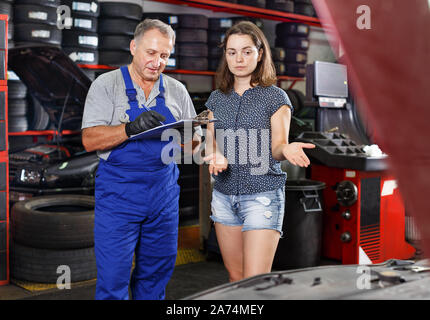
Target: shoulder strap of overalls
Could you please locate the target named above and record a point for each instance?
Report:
(130, 91)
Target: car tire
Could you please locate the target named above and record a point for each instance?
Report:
(80, 38)
(36, 33)
(215, 52)
(115, 42)
(192, 50)
(193, 21)
(42, 265)
(38, 118)
(220, 24)
(46, 3)
(191, 35)
(280, 5)
(296, 56)
(286, 29)
(6, 8)
(53, 222)
(299, 43)
(215, 38)
(82, 22)
(121, 10)
(295, 70)
(109, 26)
(304, 9)
(193, 63)
(278, 54)
(82, 55)
(84, 7)
(17, 123)
(17, 107)
(114, 57)
(16, 89)
(30, 13)
(253, 3)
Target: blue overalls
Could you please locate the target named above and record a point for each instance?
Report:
(136, 211)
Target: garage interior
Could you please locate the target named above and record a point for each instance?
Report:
(345, 209)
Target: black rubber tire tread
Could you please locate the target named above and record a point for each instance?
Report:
(85, 7)
(299, 43)
(191, 35)
(16, 89)
(38, 118)
(215, 38)
(77, 24)
(80, 38)
(46, 3)
(22, 14)
(303, 1)
(24, 33)
(253, 3)
(192, 50)
(279, 67)
(114, 57)
(296, 56)
(258, 22)
(280, 5)
(53, 230)
(286, 29)
(304, 9)
(193, 63)
(82, 55)
(17, 107)
(10, 30)
(278, 54)
(6, 8)
(168, 18)
(40, 265)
(220, 24)
(17, 124)
(117, 26)
(295, 70)
(121, 10)
(193, 21)
(115, 42)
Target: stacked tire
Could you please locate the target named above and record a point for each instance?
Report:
(49, 233)
(117, 23)
(291, 47)
(280, 5)
(80, 38)
(35, 22)
(17, 105)
(192, 39)
(217, 29)
(253, 3)
(171, 20)
(304, 7)
(6, 8)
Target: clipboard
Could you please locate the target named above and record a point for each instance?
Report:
(158, 131)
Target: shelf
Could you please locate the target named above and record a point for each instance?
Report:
(221, 6)
(181, 71)
(43, 133)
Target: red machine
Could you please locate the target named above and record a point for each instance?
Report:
(364, 216)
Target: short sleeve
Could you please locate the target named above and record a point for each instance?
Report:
(280, 98)
(211, 102)
(99, 107)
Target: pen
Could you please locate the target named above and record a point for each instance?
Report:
(147, 109)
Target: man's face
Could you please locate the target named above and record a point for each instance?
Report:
(150, 54)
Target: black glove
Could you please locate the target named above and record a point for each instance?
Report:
(145, 121)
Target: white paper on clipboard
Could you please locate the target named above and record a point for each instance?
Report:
(158, 131)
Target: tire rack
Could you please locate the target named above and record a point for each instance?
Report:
(4, 158)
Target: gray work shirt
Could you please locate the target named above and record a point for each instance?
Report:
(245, 121)
(107, 102)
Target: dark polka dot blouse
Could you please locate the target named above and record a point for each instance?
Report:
(243, 133)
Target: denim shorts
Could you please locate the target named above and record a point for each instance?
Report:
(256, 211)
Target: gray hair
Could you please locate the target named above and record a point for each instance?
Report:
(149, 24)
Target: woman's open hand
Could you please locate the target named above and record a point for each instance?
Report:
(217, 163)
(294, 153)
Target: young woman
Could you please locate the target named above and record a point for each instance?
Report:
(249, 191)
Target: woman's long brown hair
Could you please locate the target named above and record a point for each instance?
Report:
(264, 74)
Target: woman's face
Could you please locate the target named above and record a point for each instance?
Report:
(242, 55)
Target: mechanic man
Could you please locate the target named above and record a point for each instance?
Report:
(136, 193)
